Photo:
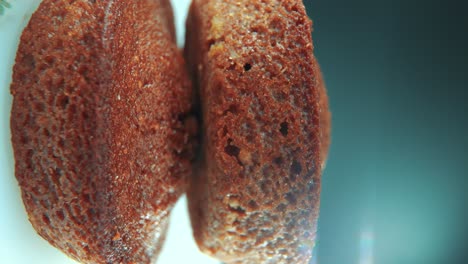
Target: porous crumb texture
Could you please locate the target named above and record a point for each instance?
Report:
(255, 196)
(101, 126)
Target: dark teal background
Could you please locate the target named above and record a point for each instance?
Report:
(396, 73)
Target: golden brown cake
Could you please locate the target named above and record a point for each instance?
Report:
(255, 196)
(101, 126)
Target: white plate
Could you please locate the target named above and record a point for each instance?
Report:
(19, 243)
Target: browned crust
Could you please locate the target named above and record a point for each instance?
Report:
(100, 106)
(255, 197)
(325, 116)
